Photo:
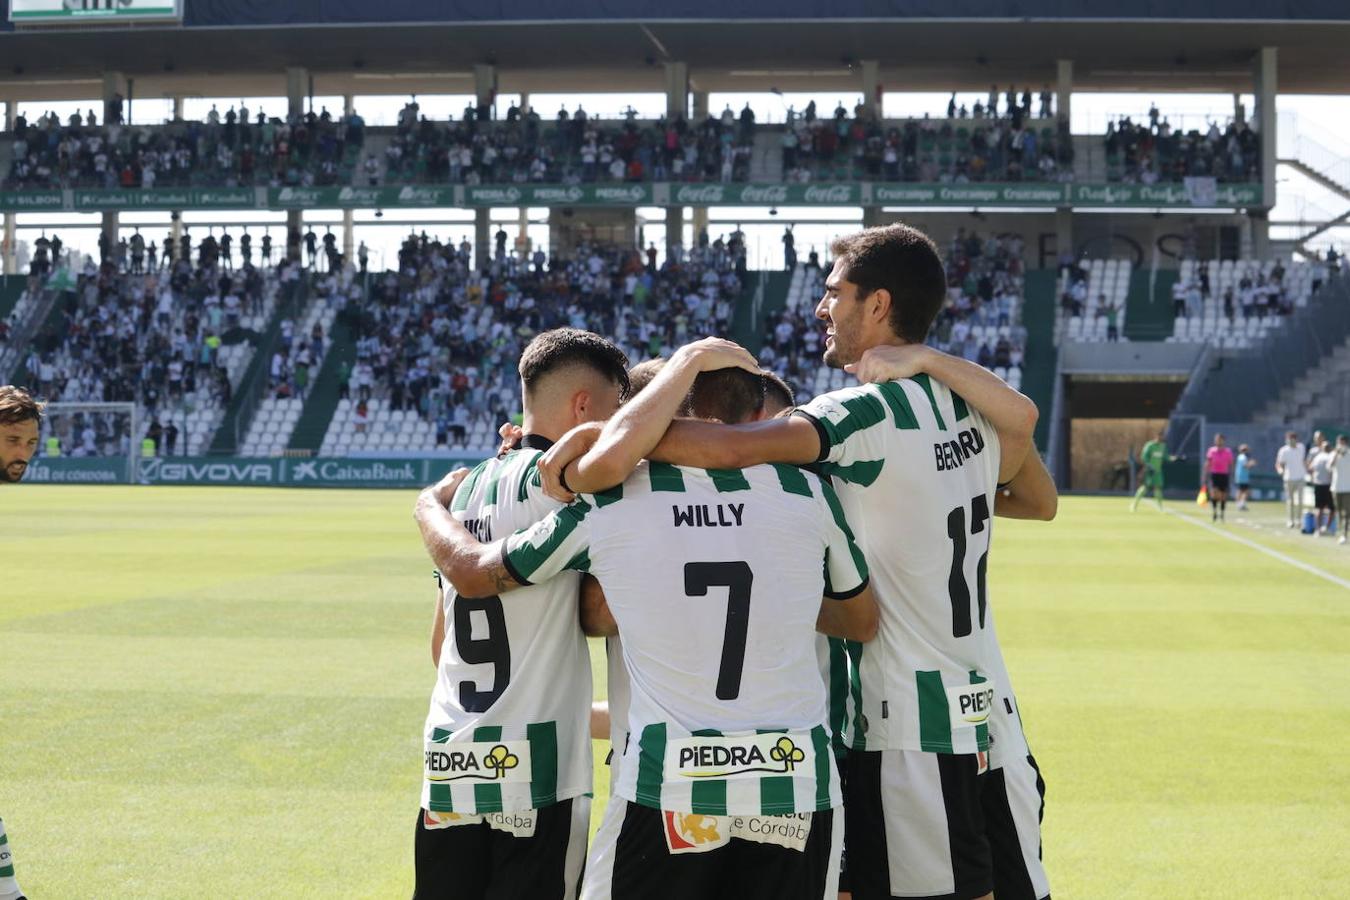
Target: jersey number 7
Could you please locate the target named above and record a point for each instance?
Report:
(737, 578)
(957, 586)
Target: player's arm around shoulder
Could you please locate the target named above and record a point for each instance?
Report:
(1012, 414)
(474, 569)
(1031, 494)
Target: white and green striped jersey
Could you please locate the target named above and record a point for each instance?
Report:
(715, 578)
(509, 724)
(917, 470)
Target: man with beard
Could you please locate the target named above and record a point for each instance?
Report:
(20, 416)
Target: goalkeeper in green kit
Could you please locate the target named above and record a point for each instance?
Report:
(1151, 460)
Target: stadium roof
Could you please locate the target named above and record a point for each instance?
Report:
(577, 56)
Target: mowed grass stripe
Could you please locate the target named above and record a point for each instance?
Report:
(171, 724)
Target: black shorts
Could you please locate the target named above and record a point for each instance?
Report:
(1218, 482)
(1322, 496)
(631, 860)
(952, 834)
(476, 862)
(1244, 486)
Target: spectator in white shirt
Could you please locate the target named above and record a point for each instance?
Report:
(1289, 462)
(1340, 485)
(1322, 463)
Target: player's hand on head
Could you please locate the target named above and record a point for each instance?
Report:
(889, 362)
(713, 353)
(569, 448)
(444, 490)
(511, 435)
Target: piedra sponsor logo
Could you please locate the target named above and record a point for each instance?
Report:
(705, 193)
(459, 762)
(568, 194)
(1101, 194)
(359, 196)
(718, 757)
(299, 196)
(423, 196)
(764, 193)
(971, 704)
(162, 471)
(368, 473)
(836, 193)
(505, 196)
(632, 194)
(1168, 194)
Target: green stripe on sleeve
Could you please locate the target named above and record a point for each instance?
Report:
(792, 479)
(820, 740)
(728, 480)
(487, 797)
(831, 498)
(605, 498)
(580, 563)
(838, 689)
(959, 406)
(923, 381)
(6, 871)
(460, 502)
(898, 401)
(863, 472)
(981, 730)
(708, 796)
(864, 411)
(665, 477)
(651, 763)
(543, 738)
(935, 723)
(525, 558)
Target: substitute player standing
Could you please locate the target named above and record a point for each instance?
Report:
(1289, 462)
(20, 423)
(1151, 459)
(728, 786)
(935, 807)
(507, 763)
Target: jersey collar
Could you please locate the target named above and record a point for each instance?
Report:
(535, 442)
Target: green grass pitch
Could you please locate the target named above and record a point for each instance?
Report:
(219, 692)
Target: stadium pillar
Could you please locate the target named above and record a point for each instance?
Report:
(523, 234)
(297, 86)
(871, 88)
(348, 104)
(485, 88)
(7, 248)
(700, 105)
(700, 224)
(114, 94)
(677, 92)
(348, 235)
(674, 229)
(524, 104)
(482, 238)
(1063, 230)
(872, 216)
(1259, 220)
(110, 232)
(1265, 119)
(177, 108)
(1063, 88)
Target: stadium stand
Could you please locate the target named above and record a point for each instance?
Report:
(1236, 303)
(1150, 153)
(176, 343)
(1092, 300)
(436, 345)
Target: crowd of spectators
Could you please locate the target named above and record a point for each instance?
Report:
(231, 150)
(980, 319)
(442, 340)
(1264, 295)
(574, 148)
(150, 337)
(1152, 152)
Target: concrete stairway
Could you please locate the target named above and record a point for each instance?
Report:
(1320, 395)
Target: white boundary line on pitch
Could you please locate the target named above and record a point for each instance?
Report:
(1298, 564)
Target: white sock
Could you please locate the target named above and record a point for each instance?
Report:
(8, 885)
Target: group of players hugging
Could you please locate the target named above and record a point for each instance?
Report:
(806, 696)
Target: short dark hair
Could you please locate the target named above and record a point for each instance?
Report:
(17, 405)
(777, 389)
(553, 350)
(904, 261)
(731, 396)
